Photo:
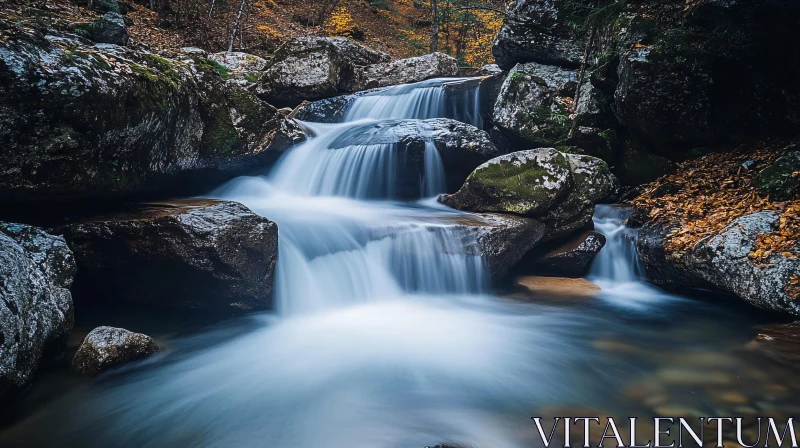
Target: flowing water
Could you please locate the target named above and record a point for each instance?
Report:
(387, 334)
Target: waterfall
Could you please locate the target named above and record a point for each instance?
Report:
(342, 239)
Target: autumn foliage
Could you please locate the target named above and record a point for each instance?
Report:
(705, 195)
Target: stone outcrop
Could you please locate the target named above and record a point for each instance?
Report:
(529, 105)
(192, 254)
(107, 347)
(313, 68)
(405, 71)
(242, 69)
(570, 259)
(537, 31)
(81, 121)
(558, 189)
(36, 312)
(722, 261)
(109, 29)
(780, 181)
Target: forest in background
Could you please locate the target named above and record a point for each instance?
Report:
(401, 28)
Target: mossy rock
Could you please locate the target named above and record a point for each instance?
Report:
(781, 180)
(525, 183)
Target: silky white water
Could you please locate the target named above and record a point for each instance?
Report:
(384, 335)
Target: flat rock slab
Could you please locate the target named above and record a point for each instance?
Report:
(559, 286)
(193, 254)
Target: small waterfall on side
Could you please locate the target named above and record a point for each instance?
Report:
(617, 268)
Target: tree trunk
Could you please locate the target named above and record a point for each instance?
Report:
(236, 24)
(152, 5)
(211, 9)
(434, 26)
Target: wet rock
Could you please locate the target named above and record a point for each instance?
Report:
(571, 259)
(638, 166)
(85, 122)
(721, 261)
(487, 70)
(537, 31)
(460, 146)
(559, 189)
(36, 312)
(313, 68)
(781, 180)
(242, 68)
(109, 29)
(108, 347)
(404, 71)
(191, 254)
(502, 240)
(529, 105)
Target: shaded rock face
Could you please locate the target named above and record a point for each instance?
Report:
(108, 347)
(461, 148)
(404, 71)
(558, 189)
(722, 261)
(192, 254)
(571, 259)
(109, 29)
(81, 121)
(529, 105)
(781, 181)
(537, 31)
(313, 68)
(502, 240)
(36, 313)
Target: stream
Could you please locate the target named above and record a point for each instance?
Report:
(385, 335)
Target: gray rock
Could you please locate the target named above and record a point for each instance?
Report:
(536, 31)
(721, 261)
(502, 240)
(108, 347)
(558, 189)
(779, 342)
(190, 254)
(781, 180)
(529, 104)
(313, 68)
(109, 29)
(404, 71)
(488, 70)
(36, 312)
(571, 259)
(83, 122)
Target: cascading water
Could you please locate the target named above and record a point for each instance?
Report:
(617, 268)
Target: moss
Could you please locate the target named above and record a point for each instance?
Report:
(101, 62)
(252, 76)
(210, 64)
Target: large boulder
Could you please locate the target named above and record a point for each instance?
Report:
(559, 189)
(538, 31)
(460, 147)
(501, 240)
(404, 71)
(108, 347)
(81, 121)
(36, 313)
(313, 68)
(570, 259)
(722, 261)
(191, 254)
(529, 106)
